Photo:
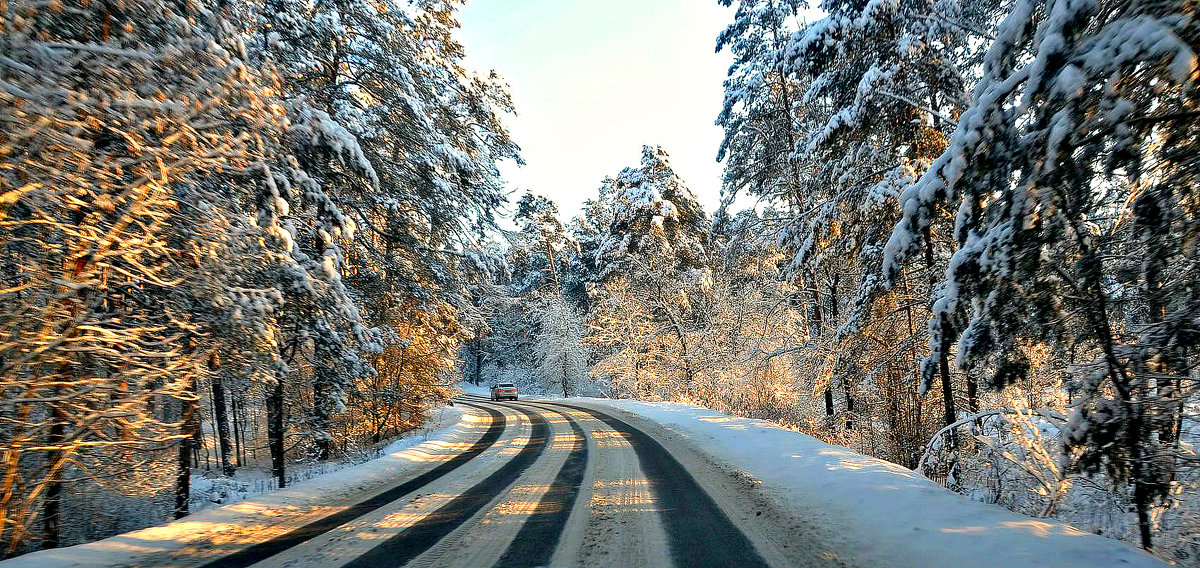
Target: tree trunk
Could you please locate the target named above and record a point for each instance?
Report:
(1143, 514)
(52, 508)
(197, 437)
(947, 393)
(324, 438)
(849, 405)
(52, 512)
(275, 431)
(191, 427)
(477, 351)
(1142, 498)
(238, 445)
(566, 378)
(553, 266)
(221, 417)
(252, 420)
(944, 351)
(815, 325)
(833, 317)
(688, 374)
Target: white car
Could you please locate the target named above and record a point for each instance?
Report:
(504, 391)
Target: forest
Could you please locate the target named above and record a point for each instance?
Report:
(269, 235)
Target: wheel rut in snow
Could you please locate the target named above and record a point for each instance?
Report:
(269, 548)
(538, 538)
(415, 540)
(699, 532)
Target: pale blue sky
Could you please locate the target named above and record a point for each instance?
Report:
(594, 80)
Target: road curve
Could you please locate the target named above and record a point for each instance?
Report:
(399, 549)
(547, 484)
(700, 534)
(257, 553)
(535, 543)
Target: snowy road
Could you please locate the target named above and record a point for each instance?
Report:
(543, 484)
(597, 483)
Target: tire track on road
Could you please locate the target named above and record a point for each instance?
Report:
(699, 532)
(269, 548)
(538, 538)
(415, 540)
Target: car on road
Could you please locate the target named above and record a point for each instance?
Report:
(503, 391)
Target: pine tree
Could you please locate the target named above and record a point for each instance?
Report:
(1066, 173)
(654, 262)
(656, 221)
(542, 245)
(562, 357)
(402, 142)
(588, 230)
(758, 114)
(202, 198)
(115, 116)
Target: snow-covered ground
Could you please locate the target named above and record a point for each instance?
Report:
(210, 489)
(880, 513)
(447, 427)
(468, 388)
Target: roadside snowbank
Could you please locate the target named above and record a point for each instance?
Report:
(446, 427)
(210, 489)
(882, 514)
(468, 388)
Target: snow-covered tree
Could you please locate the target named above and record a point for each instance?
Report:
(226, 200)
(404, 142)
(825, 121)
(758, 114)
(562, 359)
(115, 122)
(588, 230)
(540, 251)
(655, 253)
(1074, 224)
(883, 78)
(656, 220)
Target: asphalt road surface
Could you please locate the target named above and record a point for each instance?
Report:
(543, 484)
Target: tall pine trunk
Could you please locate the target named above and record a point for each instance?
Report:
(52, 506)
(950, 414)
(972, 393)
(1143, 500)
(477, 352)
(323, 420)
(275, 430)
(849, 405)
(52, 510)
(833, 317)
(239, 448)
(566, 370)
(553, 266)
(221, 417)
(947, 393)
(815, 325)
(190, 422)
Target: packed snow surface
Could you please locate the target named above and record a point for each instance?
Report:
(873, 512)
(883, 514)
